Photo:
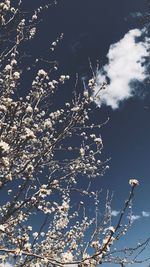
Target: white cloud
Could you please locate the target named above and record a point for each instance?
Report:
(114, 213)
(126, 60)
(145, 214)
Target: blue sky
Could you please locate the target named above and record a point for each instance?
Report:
(90, 27)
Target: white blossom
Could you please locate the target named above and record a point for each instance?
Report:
(8, 67)
(2, 228)
(32, 32)
(4, 146)
(48, 124)
(29, 133)
(98, 140)
(35, 234)
(67, 256)
(82, 152)
(29, 109)
(42, 73)
(34, 17)
(133, 182)
(75, 109)
(16, 75)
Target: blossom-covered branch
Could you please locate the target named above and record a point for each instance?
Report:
(50, 157)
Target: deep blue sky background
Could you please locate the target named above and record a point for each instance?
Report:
(90, 27)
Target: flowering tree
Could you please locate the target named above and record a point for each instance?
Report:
(49, 159)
